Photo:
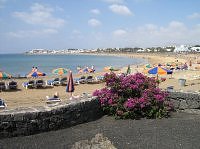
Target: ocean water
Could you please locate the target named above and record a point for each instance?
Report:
(21, 64)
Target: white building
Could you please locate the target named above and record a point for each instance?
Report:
(182, 48)
(196, 49)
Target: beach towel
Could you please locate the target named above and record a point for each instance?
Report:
(52, 99)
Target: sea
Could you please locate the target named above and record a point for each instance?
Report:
(21, 64)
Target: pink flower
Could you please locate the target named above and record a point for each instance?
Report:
(142, 105)
(159, 97)
(130, 103)
(110, 101)
(142, 100)
(133, 86)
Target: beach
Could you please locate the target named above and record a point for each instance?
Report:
(37, 97)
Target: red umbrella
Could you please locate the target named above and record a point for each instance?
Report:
(70, 84)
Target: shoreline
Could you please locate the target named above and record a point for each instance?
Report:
(71, 62)
(36, 97)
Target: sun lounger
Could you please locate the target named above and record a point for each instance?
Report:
(52, 99)
(90, 80)
(76, 81)
(56, 81)
(82, 80)
(2, 104)
(49, 82)
(100, 78)
(29, 84)
(63, 81)
(2, 86)
(12, 85)
(39, 84)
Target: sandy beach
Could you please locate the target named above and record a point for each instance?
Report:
(37, 97)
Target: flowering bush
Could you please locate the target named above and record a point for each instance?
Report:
(133, 96)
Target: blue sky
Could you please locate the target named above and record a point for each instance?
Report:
(62, 24)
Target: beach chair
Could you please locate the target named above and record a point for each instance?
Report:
(90, 80)
(2, 86)
(56, 81)
(12, 85)
(31, 84)
(52, 99)
(76, 81)
(2, 104)
(49, 83)
(82, 80)
(100, 78)
(63, 81)
(39, 83)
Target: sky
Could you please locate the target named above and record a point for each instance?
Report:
(89, 24)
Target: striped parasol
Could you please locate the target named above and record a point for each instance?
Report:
(59, 71)
(4, 75)
(159, 71)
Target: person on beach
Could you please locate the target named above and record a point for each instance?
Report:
(56, 95)
(93, 69)
(55, 98)
(128, 70)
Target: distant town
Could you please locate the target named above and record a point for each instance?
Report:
(181, 48)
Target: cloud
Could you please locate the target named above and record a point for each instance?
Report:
(194, 16)
(174, 33)
(76, 34)
(40, 15)
(95, 11)
(120, 9)
(119, 32)
(32, 33)
(94, 22)
(114, 1)
(75, 31)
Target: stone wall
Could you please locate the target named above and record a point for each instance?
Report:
(32, 120)
(185, 101)
(27, 121)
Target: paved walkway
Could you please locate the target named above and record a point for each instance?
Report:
(181, 131)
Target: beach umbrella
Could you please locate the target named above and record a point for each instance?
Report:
(70, 84)
(147, 66)
(111, 68)
(36, 74)
(86, 70)
(4, 75)
(59, 71)
(159, 71)
(80, 71)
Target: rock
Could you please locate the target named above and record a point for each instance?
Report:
(98, 142)
(183, 105)
(193, 104)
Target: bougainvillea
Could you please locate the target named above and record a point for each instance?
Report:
(133, 96)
